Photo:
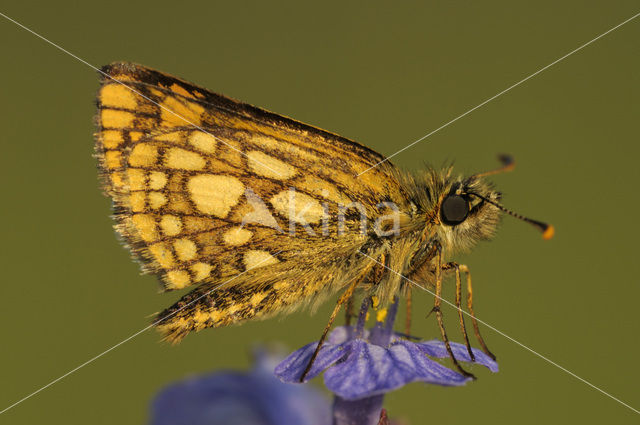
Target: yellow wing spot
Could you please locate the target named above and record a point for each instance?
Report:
(178, 113)
(257, 298)
(157, 200)
(185, 249)
(215, 315)
(201, 316)
(298, 206)
(121, 76)
(117, 180)
(162, 254)
(111, 138)
(174, 137)
(145, 226)
(236, 236)
(232, 309)
(112, 159)
(135, 135)
(157, 180)
(215, 194)
(268, 166)
(137, 201)
(203, 141)
(136, 178)
(281, 286)
(170, 225)
(256, 258)
(201, 270)
(143, 155)
(180, 90)
(325, 189)
(183, 159)
(119, 96)
(110, 118)
(178, 279)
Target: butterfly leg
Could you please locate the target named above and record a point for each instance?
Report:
(348, 311)
(463, 327)
(476, 328)
(438, 311)
(407, 323)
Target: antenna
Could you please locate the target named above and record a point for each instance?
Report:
(507, 164)
(547, 229)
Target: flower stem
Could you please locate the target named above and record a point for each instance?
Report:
(366, 411)
(357, 412)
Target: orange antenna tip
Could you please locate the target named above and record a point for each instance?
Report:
(546, 229)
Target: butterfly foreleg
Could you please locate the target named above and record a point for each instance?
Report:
(437, 309)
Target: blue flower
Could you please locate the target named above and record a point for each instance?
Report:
(238, 398)
(361, 363)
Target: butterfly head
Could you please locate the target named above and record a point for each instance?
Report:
(469, 210)
(464, 214)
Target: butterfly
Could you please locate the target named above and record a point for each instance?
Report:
(260, 214)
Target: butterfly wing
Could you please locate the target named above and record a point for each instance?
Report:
(208, 190)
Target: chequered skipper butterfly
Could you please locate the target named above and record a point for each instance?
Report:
(209, 191)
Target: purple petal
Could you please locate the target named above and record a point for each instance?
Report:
(435, 348)
(291, 369)
(340, 334)
(343, 334)
(370, 370)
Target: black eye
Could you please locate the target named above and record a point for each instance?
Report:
(454, 209)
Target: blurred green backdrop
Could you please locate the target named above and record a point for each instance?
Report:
(384, 75)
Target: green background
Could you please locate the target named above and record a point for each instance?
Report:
(383, 75)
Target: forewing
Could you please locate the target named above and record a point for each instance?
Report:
(206, 187)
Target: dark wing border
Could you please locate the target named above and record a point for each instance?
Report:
(145, 75)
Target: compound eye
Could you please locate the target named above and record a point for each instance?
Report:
(454, 209)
